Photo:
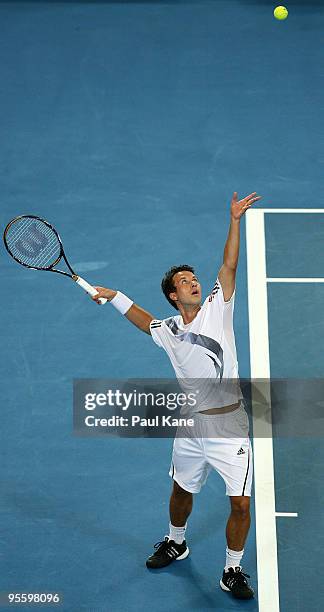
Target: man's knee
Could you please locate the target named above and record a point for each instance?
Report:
(241, 505)
(180, 493)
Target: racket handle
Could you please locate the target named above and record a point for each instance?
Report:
(88, 288)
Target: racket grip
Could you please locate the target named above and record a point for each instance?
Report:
(88, 288)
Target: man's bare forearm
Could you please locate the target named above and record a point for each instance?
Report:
(232, 246)
(136, 315)
(227, 272)
(139, 317)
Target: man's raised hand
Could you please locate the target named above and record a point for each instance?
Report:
(239, 207)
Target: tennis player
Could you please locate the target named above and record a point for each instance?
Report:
(201, 345)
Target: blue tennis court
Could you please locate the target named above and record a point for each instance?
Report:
(128, 125)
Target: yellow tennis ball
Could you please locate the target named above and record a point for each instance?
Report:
(280, 13)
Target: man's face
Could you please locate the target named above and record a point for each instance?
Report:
(187, 289)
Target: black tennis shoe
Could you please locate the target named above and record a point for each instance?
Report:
(166, 552)
(235, 581)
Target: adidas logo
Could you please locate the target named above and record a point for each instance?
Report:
(241, 451)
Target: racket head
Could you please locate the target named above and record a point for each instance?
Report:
(33, 242)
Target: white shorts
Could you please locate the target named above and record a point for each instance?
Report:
(221, 442)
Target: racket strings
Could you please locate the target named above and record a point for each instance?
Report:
(33, 243)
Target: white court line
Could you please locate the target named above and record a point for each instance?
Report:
(265, 519)
(291, 210)
(265, 514)
(295, 280)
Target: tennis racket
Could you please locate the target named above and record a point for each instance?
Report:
(34, 243)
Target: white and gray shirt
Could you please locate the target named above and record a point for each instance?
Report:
(203, 352)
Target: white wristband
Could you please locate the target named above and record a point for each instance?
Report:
(121, 302)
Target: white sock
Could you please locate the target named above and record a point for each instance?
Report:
(177, 534)
(233, 558)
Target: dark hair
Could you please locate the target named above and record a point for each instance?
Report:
(167, 281)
